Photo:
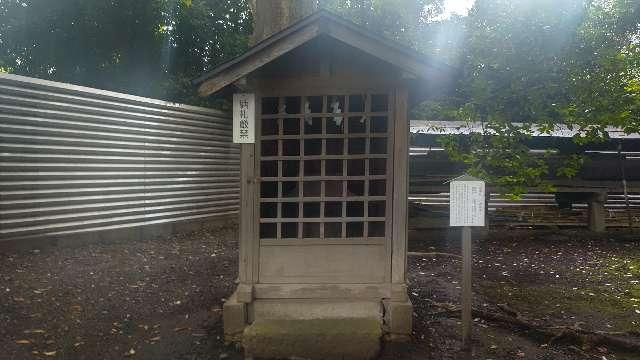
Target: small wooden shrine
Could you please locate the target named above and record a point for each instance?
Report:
(323, 215)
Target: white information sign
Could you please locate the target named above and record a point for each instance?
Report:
(466, 202)
(244, 118)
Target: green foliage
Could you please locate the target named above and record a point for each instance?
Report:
(84, 42)
(499, 155)
(145, 47)
(512, 82)
(570, 166)
(401, 20)
(536, 65)
(605, 71)
(205, 34)
(515, 48)
(525, 64)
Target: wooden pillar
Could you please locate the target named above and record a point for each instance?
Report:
(247, 228)
(398, 309)
(467, 264)
(597, 212)
(235, 308)
(400, 190)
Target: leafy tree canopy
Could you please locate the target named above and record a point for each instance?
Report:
(524, 65)
(531, 65)
(144, 47)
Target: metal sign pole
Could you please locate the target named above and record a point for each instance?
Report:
(466, 288)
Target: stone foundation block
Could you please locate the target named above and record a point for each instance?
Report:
(309, 309)
(398, 317)
(340, 338)
(234, 317)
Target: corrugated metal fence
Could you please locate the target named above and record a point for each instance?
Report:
(75, 159)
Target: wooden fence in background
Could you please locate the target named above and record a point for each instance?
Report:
(534, 209)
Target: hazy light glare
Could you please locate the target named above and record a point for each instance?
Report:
(456, 7)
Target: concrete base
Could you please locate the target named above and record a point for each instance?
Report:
(398, 318)
(313, 339)
(234, 317)
(597, 212)
(317, 328)
(310, 309)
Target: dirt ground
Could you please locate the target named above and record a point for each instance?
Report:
(162, 299)
(553, 278)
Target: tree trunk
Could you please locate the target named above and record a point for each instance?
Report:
(271, 16)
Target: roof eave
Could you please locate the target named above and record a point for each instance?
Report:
(305, 30)
(255, 59)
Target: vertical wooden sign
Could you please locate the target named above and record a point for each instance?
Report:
(244, 118)
(466, 209)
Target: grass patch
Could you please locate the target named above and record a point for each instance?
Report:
(593, 306)
(628, 270)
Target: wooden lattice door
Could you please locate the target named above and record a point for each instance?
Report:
(325, 170)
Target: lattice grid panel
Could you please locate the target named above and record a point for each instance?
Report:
(324, 167)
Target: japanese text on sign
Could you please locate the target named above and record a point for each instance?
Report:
(466, 203)
(244, 118)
